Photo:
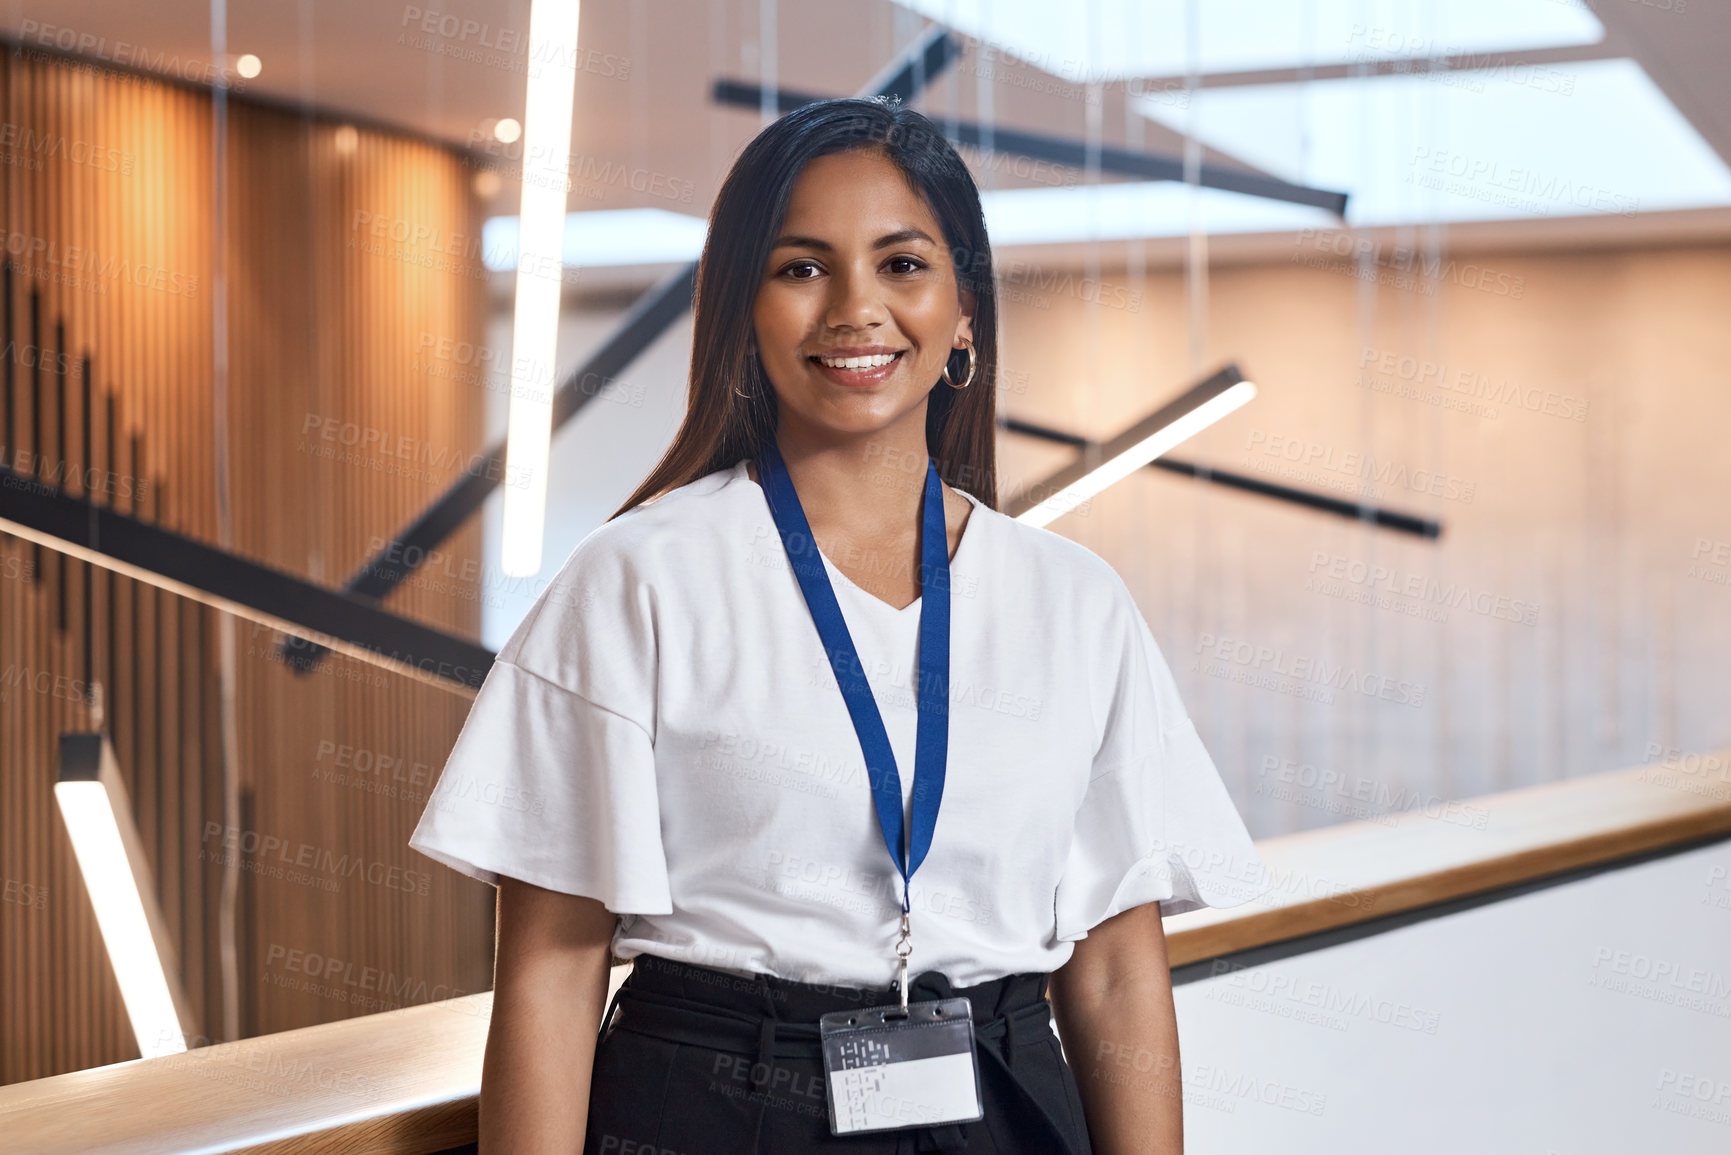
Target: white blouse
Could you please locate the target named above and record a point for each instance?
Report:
(663, 733)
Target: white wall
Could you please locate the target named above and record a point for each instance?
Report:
(1590, 1018)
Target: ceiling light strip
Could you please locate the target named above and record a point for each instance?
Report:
(552, 77)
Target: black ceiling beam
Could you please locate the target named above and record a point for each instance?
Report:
(1059, 150)
(649, 317)
(1356, 511)
(189, 568)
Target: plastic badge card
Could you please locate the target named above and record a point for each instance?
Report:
(886, 1070)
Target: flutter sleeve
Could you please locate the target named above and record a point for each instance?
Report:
(1155, 823)
(552, 779)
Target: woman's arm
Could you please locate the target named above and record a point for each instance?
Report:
(549, 989)
(1113, 1005)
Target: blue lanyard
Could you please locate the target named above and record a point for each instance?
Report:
(931, 747)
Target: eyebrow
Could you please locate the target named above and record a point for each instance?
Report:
(793, 241)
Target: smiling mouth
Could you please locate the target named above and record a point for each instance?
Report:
(862, 364)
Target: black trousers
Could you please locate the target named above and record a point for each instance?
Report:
(697, 1061)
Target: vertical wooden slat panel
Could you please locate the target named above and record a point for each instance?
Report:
(317, 325)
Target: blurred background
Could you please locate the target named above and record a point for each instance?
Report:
(261, 277)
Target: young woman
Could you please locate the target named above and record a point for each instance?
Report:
(808, 715)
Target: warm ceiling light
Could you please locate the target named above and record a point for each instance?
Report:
(116, 873)
(1168, 426)
(347, 138)
(507, 131)
(546, 173)
(249, 66)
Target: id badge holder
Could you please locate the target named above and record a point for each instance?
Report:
(886, 1070)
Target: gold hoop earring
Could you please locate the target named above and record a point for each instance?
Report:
(736, 392)
(970, 378)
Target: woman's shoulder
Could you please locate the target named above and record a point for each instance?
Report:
(607, 587)
(671, 526)
(1057, 567)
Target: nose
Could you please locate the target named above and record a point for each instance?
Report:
(855, 300)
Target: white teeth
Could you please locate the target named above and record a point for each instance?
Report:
(875, 361)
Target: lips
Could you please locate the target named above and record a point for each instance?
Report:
(856, 367)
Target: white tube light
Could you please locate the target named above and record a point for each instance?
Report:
(98, 817)
(1126, 456)
(552, 78)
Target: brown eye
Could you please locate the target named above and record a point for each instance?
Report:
(911, 265)
(789, 270)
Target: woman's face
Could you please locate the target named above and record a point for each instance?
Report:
(860, 270)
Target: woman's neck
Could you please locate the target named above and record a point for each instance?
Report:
(868, 488)
(863, 500)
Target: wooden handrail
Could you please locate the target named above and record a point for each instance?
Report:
(405, 1082)
(1352, 872)
(401, 1081)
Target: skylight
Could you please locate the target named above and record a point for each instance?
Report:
(1121, 210)
(1118, 39)
(606, 237)
(1579, 139)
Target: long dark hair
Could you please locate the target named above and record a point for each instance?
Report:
(721, 426)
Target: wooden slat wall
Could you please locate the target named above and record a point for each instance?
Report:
(108, 195)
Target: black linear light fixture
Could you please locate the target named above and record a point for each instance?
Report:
(356, 627)
(1339, 507)
(1173, 423)
(1072, 153)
